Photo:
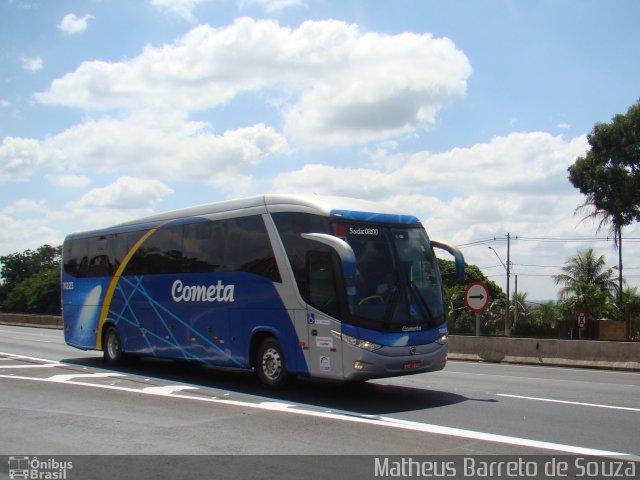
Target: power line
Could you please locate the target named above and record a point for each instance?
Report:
(546, 239)
(476, 243)
(541, 266)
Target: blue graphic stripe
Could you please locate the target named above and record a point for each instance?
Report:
(375, 217)
(135, 322)
(153, 305)
(156, 305)
(161, 313)
(138, 288)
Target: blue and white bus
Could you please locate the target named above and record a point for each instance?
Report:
(283, 285)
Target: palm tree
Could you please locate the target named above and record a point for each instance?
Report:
(585, 268)
(588, 285)
(615, 222)
(518, 307)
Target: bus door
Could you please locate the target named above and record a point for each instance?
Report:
(325, 347)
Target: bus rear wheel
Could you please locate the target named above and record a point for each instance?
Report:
(271, 368)
(112, 345)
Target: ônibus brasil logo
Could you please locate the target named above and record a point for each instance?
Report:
(34, 468)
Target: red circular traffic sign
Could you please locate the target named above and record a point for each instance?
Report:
(582, 320)
(476, 297)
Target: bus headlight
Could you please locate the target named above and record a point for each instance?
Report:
(443, 339)
(356, 342)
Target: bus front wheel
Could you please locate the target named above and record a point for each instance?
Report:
(270, 364)
(112, 345)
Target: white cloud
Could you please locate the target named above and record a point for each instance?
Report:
(18, 235)
(272, 6)
(25, 207)
(328, 180)
(19, 158)
(5, 103)
(125, 193)
(32, 64)
(71, 24)
(182, 8)
(69, 181)
(343, 86)
(166, 147)
(521, 163)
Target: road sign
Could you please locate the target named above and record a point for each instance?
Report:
(582, 320)
(476, 297)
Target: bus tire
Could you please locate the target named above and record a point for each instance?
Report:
(271, 367)
(112, 345)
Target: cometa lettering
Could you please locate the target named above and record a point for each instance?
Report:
(202, 293)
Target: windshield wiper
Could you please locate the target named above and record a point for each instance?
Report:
(391, 305)
(422, 301)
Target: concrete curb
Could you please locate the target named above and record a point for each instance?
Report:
(25, 320)
(551, 352)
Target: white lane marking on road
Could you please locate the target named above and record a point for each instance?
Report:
(167, 389)
(13, 356)
(567, 402)
(515, 366)
(40, 337)
(73, 376)
(39, 365)
(355, 417)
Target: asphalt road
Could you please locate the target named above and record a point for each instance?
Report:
(57, 400)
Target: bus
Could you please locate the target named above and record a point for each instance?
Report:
(281, 285)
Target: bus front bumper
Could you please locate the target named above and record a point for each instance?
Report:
(361, 364)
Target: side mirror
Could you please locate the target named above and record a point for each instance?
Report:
(457, 255)
(342, 248)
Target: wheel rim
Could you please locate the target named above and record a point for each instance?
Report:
(113, 346)
(271, 363)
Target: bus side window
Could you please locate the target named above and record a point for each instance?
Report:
(77, 257)
(162, 251)
(99, 260)
(321, 282)
(248, 248)
(202, 247)
(124, 243)
(290, 226)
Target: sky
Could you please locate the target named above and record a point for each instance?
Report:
(465, 113)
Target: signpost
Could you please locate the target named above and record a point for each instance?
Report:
(582, 323)
(476, 298)
(582, 320)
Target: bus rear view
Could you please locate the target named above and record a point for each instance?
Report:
(282, 285)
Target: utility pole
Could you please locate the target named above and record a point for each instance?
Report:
(507, 268)
(620, 293)
(507, 331)
(516, 310)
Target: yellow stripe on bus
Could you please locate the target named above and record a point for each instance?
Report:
(114, 283)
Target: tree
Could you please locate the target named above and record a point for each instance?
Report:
(609, 176)
(40, 293)
(632, 312)
(585, 267)
(542, 321)
(587, 284)
(518, 309)
(31, 280)
(16, 267)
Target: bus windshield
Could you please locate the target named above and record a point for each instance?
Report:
(398, 285)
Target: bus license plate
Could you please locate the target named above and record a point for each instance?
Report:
(412, 365)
